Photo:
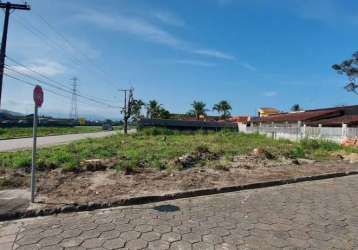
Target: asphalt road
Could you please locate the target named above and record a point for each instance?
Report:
(309, 215)
(24, 143)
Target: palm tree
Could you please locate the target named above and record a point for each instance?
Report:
(198, 109)
(153, 109)
(223, 107)
(296, 107)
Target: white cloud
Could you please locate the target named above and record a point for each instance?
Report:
(247, 65)
(132, 25)
(41, 66)
(194, 63)
(215, 54)
(148, 31)
(270, 93)
(169, 18)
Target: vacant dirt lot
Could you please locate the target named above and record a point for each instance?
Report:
(57, 187)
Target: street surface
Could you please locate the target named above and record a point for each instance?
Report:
(24, 143)
(309, 215)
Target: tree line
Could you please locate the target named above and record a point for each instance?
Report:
(155, 110)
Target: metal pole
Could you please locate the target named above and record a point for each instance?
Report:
(125, 112)
(33, 165)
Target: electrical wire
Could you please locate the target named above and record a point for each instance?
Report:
(50, 79)
(46, 89)
(60, 88)
(97, 67)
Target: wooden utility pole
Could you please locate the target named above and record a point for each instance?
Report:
(8, 7)
(127, 109)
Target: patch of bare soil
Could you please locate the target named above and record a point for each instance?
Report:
(96, 180)
(57, 187)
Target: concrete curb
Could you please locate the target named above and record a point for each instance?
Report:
(156, 198)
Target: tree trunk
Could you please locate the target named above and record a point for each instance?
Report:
(125, 126)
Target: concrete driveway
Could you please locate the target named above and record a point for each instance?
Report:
(26, 143)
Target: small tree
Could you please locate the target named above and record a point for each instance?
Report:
(198, 109)
(132, 109)
(223, 107)
(163, 113)
(350, 69)
(153, 109)
(156, 110)
(136, 109)
(296, 107)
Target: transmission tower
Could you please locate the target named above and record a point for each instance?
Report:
(74, 107)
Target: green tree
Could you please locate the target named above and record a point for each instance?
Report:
(198, 109)
(137, 106)
(163, 113)
(350, 69)
(156, 110)
(296, 107)
(223, 108)
(153, 109)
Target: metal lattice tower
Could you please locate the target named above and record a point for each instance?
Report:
(74, 107)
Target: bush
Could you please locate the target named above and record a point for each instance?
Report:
(309, 144)
(297, 152)
(157, 131)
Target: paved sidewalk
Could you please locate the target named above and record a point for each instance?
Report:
(309, 215)
(23, 143)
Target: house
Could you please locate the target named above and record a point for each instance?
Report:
(333, 116)
(239, 119)
(263, 112)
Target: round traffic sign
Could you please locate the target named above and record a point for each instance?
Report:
(38, 96)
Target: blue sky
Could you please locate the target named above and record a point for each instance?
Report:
(253, 53)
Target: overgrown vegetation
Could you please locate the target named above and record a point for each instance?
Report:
(17, 132)
(158, 148)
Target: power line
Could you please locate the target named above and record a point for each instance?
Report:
(75, 48)
(36, 72)
(8, 7)
(52, 44)
(33, 85)
(46, 89)
(78, 61)
(50, 79)
(59, 88)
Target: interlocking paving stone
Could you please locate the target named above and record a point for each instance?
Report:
(114, 243)
(310, 215)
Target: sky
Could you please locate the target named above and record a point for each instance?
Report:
(253, 53)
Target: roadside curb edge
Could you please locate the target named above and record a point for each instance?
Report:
(165, 197)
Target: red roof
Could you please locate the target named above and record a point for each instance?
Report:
(337, 121)
(242, 119)
(301, 116)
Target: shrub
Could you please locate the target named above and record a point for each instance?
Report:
(157, 131)
(297, 152)
(325, 145)
(309, 144)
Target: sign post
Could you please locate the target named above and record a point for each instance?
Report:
(38, 99)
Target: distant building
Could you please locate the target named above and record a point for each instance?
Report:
(186, 124)
(263, 112)
(239, 119)
(188, 117)
(333, 116)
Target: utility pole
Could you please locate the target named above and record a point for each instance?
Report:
(74, 107)
(8, 7)
(127, 109)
